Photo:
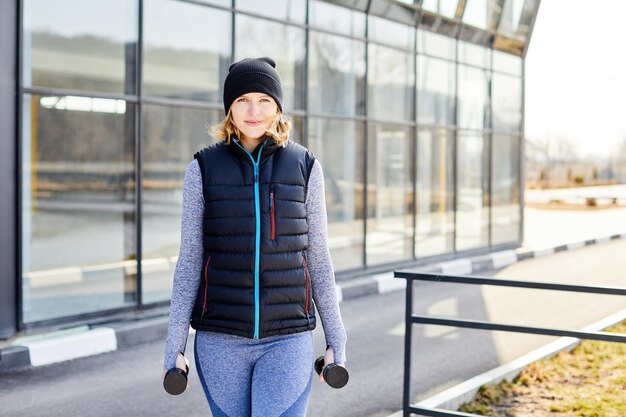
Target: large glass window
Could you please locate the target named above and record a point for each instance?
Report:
(435, 91)
(78, 153)
(446, 8)
(285, 44)
(80, 45)
(297, 133)
(223, 3)
(435, 192)
(511, 12)
(171, 135)
(390, 32)
(504, 62)
(478, 12)
(389, 194)
(505, 180)
(336, 75)
(186, 52)
(285, 10)
(390, 84)
(472, 211)
(473, 54)
(334, 18)
(506, 93)
(338, 144)
(78, 206)
(473, 98)
(435, 44)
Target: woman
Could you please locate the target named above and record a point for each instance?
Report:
(253, 257)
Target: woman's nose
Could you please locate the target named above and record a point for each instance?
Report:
(252, 108)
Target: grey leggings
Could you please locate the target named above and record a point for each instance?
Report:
(244, 377)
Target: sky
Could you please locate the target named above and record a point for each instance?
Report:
(576, 75)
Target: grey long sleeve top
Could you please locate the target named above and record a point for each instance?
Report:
(189, 265)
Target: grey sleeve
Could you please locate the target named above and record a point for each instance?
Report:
(320, 265)
(188, 266)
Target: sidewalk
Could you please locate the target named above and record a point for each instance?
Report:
(546, 232)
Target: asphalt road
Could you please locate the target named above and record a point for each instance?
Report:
(128, 382)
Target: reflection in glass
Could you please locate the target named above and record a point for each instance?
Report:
(186, 50)
(505, 179)
(336, 75)
(389, 194)
(223, 3)
(477, 13)
(435, 91)
(472, 215)
(390, 84)
(511, 12)
(171, 136)
(285, 44)
(435, 192)
(443, 7)
(92, 48)
(78, 206)
(337, 19)
(390, 32)
(506, 94)
(338, 144)
(285, 10)
(435, 44)
(473, 54)
(473, 101)
(509, 63)
(296, 133)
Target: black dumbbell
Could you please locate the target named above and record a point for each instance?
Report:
(335, 375)
(175, 381)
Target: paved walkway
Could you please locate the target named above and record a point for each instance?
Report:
(548, 228)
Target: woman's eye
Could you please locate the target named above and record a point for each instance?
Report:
(265, 99)
(241, 99)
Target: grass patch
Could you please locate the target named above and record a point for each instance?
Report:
(589, 381)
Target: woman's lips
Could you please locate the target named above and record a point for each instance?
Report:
(252, 123)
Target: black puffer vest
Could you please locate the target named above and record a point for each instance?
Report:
(255, 281)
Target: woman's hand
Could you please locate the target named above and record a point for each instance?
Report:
(181, 363)
(329, 358)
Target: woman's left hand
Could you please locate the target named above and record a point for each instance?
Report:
(329, 358)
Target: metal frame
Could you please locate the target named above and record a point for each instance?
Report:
(305, 91)
(138, 111)
(365, 136)
(411, 319)
(9, 22)
(18, 164)
(139, 101)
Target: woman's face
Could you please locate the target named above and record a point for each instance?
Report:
(253, 114)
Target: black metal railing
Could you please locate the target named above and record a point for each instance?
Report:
(411, 319)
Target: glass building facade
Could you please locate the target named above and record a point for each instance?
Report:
(415, 110)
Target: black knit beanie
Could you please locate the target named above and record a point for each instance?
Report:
(252, 75)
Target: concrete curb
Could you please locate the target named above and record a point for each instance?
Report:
(454, 397)
(59, 346)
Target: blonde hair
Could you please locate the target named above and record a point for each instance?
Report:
(279, 128)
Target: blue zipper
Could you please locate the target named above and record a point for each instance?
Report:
(258, 236)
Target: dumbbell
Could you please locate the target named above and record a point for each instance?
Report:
(175, 380)
(335, 375)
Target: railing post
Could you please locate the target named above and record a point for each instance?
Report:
(407, 347)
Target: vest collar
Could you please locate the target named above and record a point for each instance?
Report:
(269, 147)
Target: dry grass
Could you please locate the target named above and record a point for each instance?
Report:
(589, 381)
